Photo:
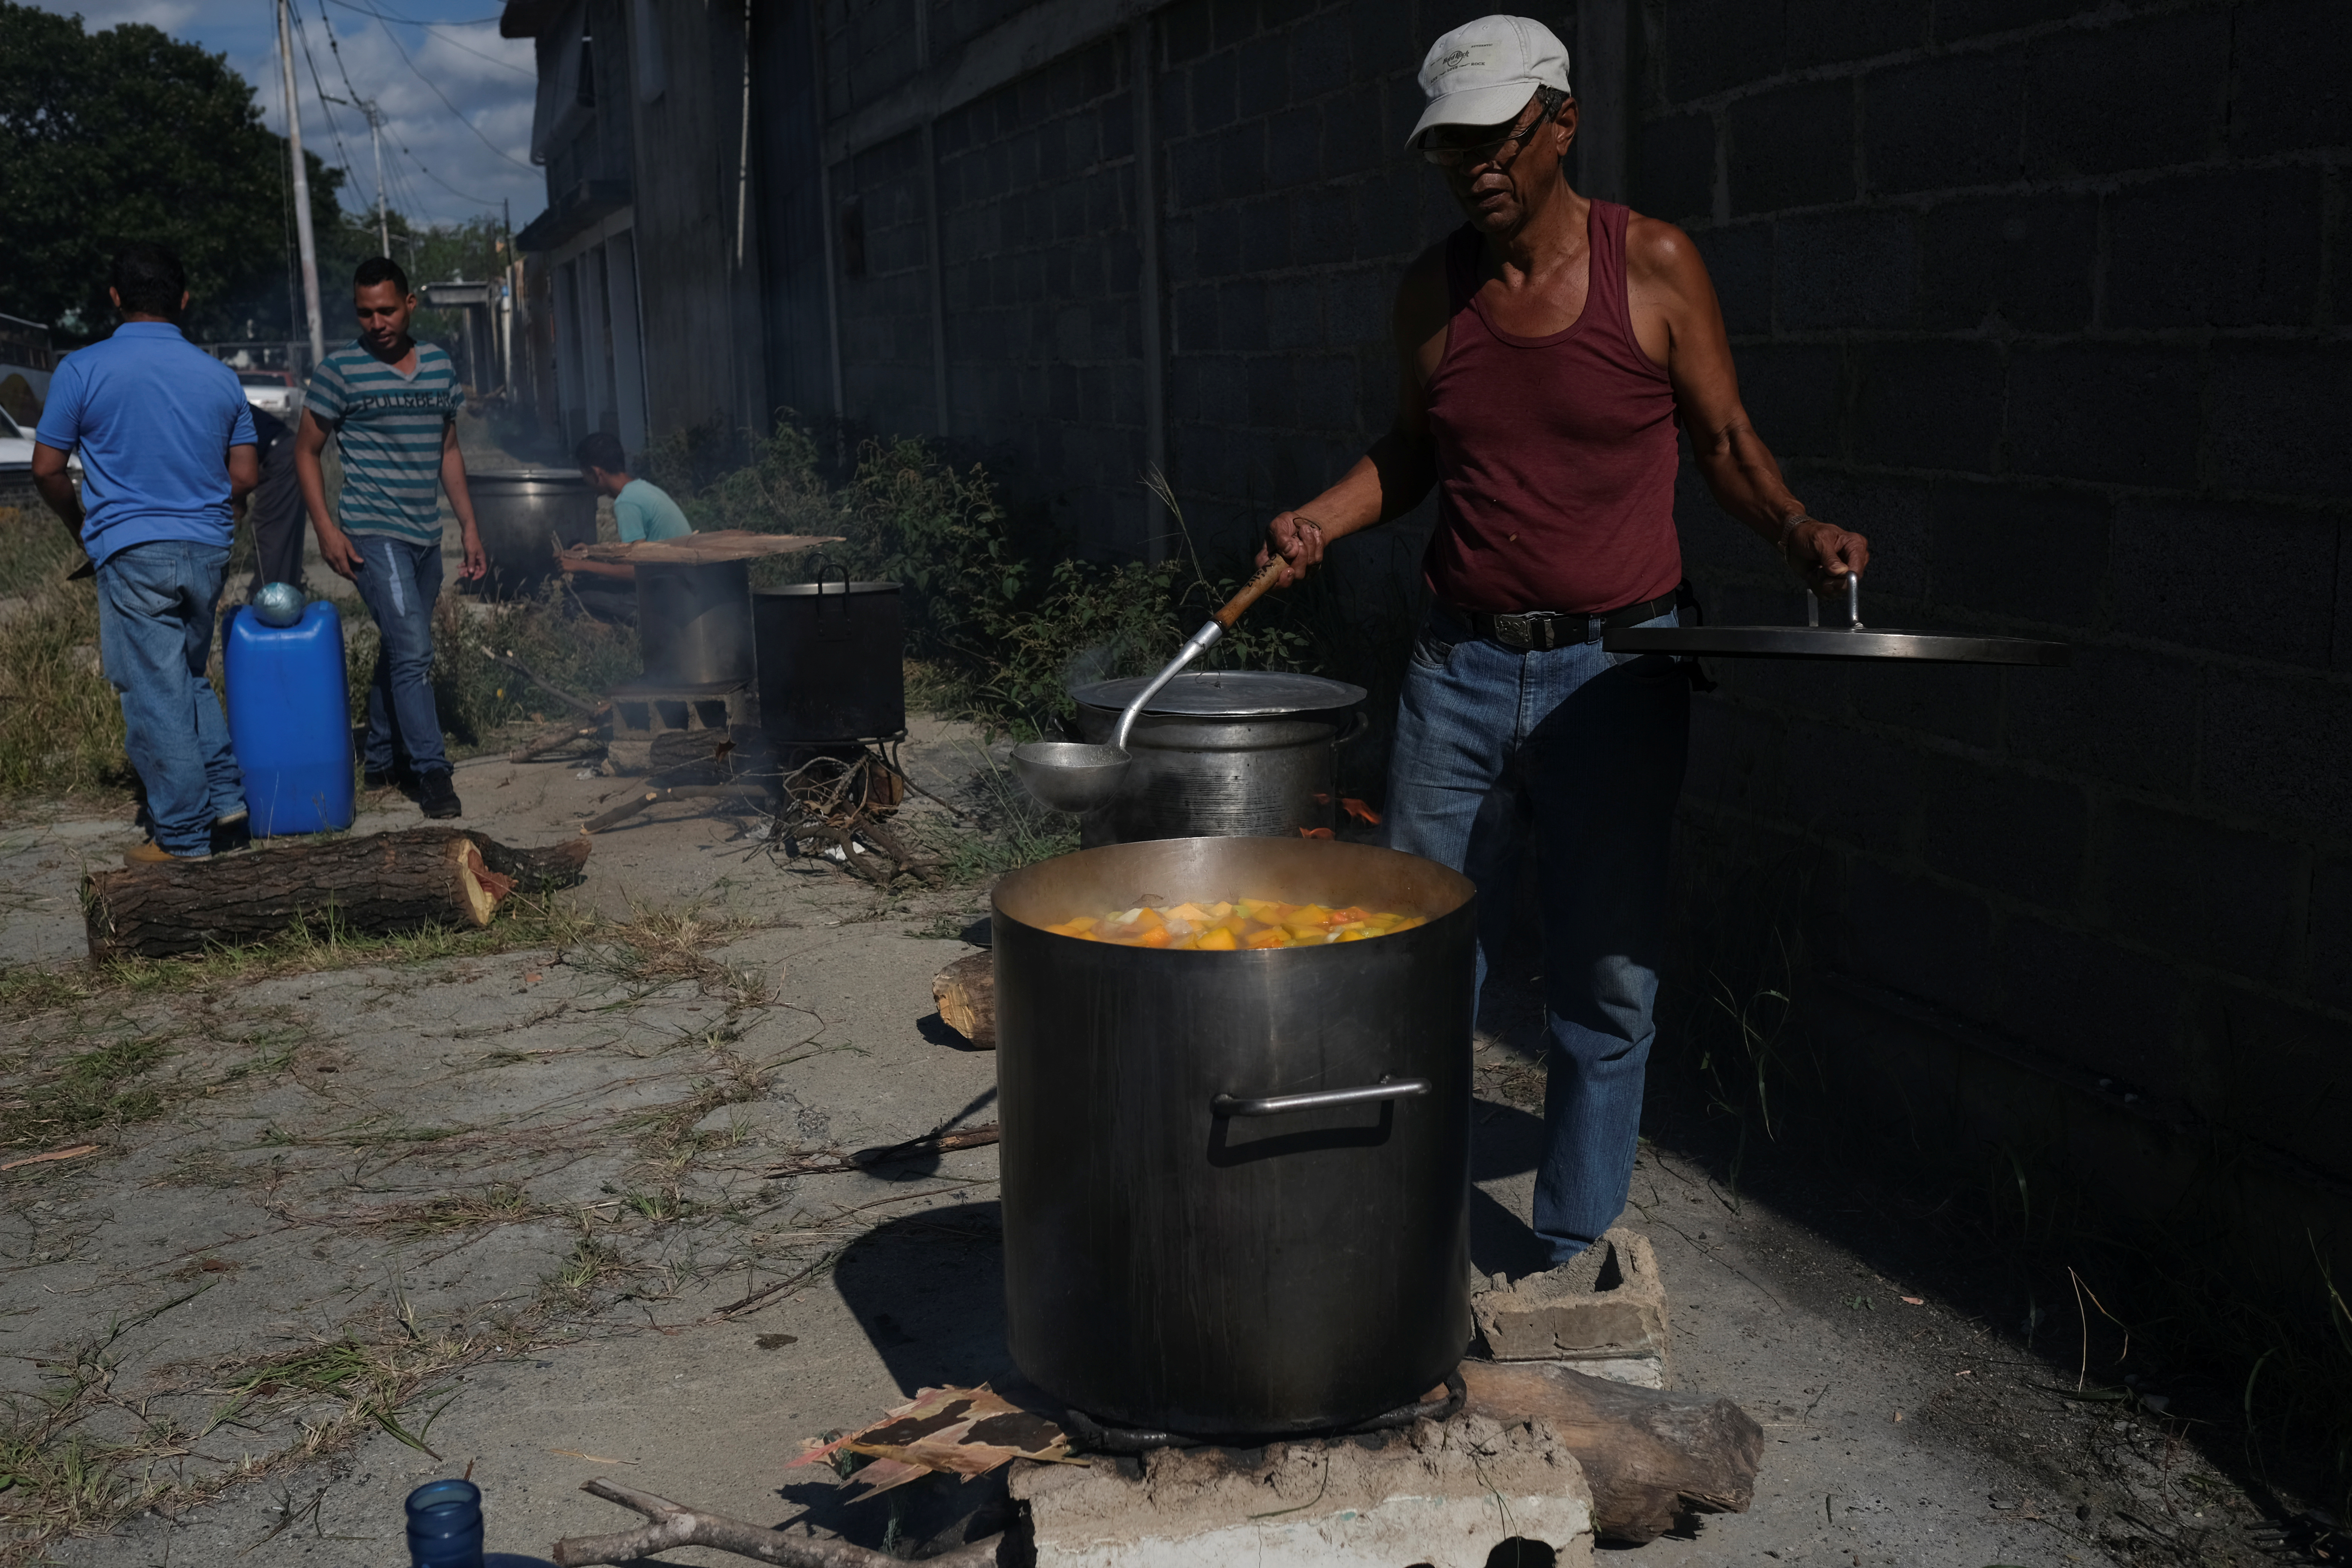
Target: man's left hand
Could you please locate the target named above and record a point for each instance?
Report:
(477, 563)
(1824, 554)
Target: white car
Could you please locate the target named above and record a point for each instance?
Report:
(273, 392)
(16, 464)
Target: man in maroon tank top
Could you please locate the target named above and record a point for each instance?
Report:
(1546, 352)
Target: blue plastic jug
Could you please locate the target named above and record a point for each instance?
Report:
(289, 719)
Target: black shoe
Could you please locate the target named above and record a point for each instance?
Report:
(232, 833)
(437, 795)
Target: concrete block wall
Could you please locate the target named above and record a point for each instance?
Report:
(2047, 298)
(1039, 275)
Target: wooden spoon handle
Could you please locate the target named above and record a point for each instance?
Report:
(1249, 595)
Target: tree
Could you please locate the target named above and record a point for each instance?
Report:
(129, 135)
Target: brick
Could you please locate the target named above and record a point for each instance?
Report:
(1845, 269)
(1953, 119)
(1736, 757)
(1999, 829)
(2027, 258)
(1917, 937)
(2101, 411)
(1958, 19)
(1929, 406)
(2277, 420)
(2098, 1005)
(2201, 892)
(1261, 84)
(2239, 249)
(2328, 950)
(1854, 787)
(2011, 551)
(1893, 513)
(1241, 315)
(1958, 701)
(2280, 746)
(1821, 31)
(1209, 86)
(2294, 57)
(1321, 55)
(1294, 147)
(1673, 168)
(2276, 1074)
(1607, 1304)
(1739, 261)
(1353, 141)
(2143, 94)
(1185, 33)
(1791, 148)
(1794, 395)
(1710, 45)
(2167, 586)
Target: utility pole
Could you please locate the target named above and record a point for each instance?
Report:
(375, 133)
(309, 246)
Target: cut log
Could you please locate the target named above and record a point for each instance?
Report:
(1650, 1454)
(382, 885)
(966, 993)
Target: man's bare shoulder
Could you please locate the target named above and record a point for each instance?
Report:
(1660, 253)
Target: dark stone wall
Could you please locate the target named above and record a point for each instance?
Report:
(2040, 294)
(2044, 297)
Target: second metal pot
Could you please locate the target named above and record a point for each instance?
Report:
(1223, 754)
(525, 516)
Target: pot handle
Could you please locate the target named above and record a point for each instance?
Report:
(1274, 1105)
(1358, 722)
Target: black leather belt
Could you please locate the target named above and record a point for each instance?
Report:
(1541, 631)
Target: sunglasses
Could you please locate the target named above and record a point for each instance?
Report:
(1476, 153)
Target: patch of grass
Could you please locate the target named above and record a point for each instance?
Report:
(1008, 830)
(656, 949)
(80, 1093)
(60, 722)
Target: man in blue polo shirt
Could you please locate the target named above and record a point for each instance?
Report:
(167, 450)
(391, 404)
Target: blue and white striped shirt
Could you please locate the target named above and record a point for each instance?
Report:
(389, 429)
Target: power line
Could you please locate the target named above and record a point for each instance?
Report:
(442, 28)
(319, 88)
(393, 40)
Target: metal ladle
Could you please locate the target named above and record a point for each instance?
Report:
(1072, 775)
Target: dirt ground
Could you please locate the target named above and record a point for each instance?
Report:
(348, 1228)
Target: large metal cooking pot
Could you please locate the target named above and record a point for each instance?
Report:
(833, 663)
(694, 623)
(1236, 1184)
(524, 516)
(1221, 753)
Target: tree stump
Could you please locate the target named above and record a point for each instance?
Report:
(382, 885)
(966, 993)
(1649, 1454)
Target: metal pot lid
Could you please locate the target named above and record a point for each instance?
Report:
(1227, 694)
(528, 476)
(1852, 640)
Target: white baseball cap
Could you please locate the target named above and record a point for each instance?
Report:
(1484, 73)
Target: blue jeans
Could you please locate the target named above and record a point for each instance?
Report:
(1586, 749)
(155, 605)
(399, 584)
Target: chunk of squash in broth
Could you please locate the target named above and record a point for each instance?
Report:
(1217, 941)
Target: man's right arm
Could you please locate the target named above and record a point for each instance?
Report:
(56, 486)
(335, 547)
(1397, 470)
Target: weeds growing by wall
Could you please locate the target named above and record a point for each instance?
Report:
(1002, 615)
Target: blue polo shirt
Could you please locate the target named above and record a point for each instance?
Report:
(155, 416)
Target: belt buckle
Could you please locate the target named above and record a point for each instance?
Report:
(1542, 629)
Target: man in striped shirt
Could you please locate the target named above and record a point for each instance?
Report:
(393, 405)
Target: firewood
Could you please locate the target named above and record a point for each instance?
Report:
(382, 885)
(966, 993)
(564, 735)
(675, 1526)
(1650, 1454)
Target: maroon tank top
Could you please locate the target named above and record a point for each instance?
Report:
(1556, 456)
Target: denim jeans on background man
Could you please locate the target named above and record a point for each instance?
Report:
(155, 605)
(399, 584)
(1586, 749)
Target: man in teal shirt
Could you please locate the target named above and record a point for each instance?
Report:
(641, 509)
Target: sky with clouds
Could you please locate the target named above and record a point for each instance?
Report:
(456, 97)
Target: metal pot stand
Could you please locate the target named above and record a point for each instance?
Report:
(1850, 641)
